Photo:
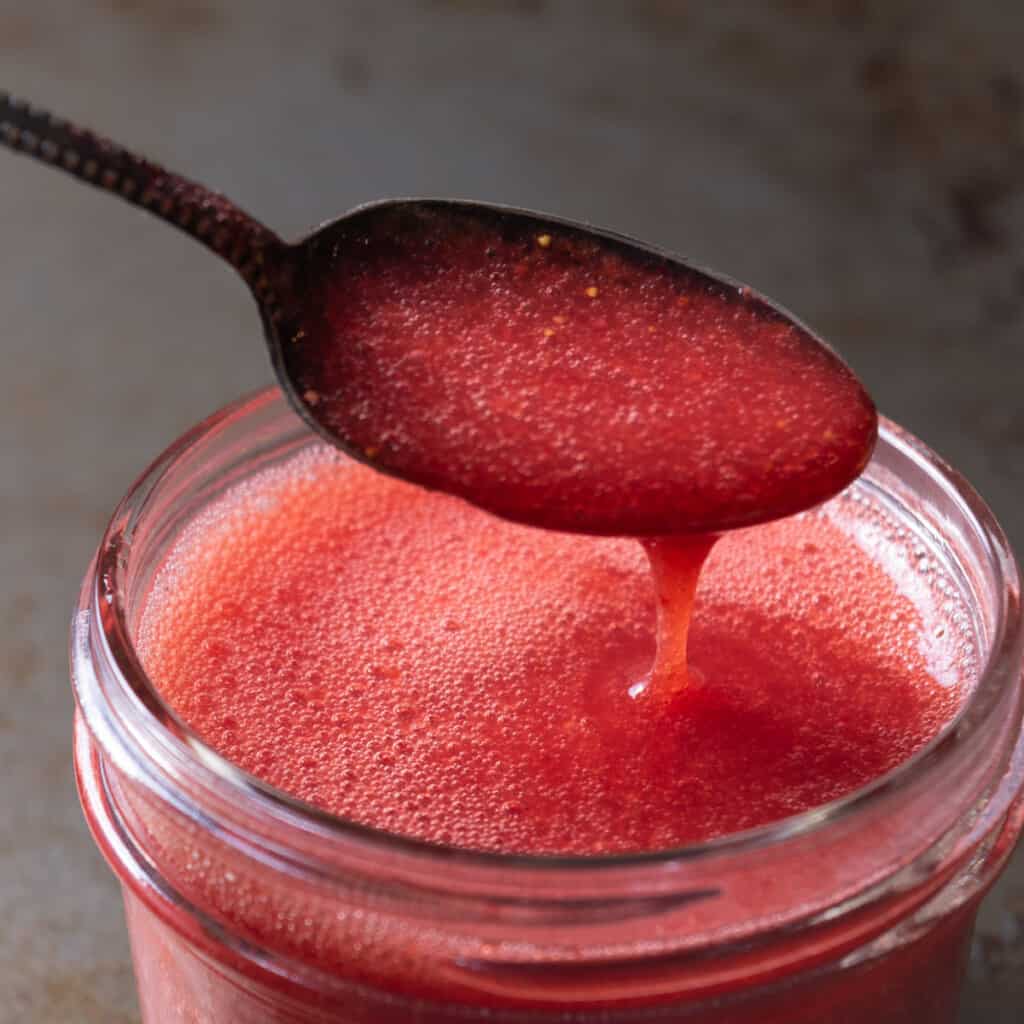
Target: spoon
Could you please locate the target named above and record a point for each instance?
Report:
(550, 372)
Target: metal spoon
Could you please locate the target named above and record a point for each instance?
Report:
(505, 446)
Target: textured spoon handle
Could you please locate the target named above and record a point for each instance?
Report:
(252, 249)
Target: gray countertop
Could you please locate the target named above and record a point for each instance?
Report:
(861, 161)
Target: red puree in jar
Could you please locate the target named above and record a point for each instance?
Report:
(403, 659)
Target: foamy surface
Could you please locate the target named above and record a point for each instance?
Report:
(405, 660)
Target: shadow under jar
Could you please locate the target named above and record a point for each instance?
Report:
(246, 907)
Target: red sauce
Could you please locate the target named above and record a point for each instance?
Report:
(403, 659)
(569, 382)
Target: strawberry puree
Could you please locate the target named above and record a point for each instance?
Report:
(571, 383)
(403, 659)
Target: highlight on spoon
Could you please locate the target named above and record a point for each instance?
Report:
(566, 377)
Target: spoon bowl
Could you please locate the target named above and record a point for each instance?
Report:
(562, 375)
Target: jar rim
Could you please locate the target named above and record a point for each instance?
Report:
(106, 597)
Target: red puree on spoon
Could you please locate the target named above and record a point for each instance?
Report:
(570, 380)
(575, 381)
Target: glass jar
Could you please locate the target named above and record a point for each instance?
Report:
(247, 907)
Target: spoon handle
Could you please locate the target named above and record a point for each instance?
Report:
(252, 249)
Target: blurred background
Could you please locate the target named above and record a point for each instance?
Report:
(862, 161)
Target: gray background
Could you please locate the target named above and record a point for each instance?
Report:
(861, 161)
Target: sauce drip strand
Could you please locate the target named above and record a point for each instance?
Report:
(676, 564)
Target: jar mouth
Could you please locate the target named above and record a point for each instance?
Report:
(106, 597)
